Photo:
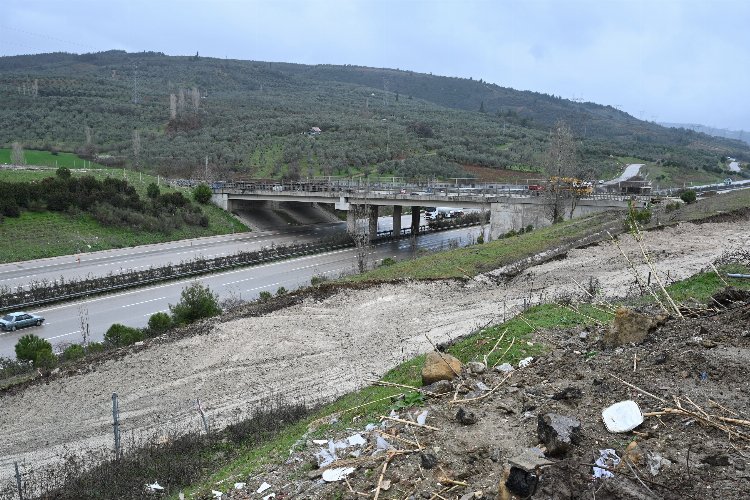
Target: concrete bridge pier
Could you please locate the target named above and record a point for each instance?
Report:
(373, 222)
(397, 209)
(351, 221)
(415, 220)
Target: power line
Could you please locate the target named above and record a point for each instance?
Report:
(48, 37)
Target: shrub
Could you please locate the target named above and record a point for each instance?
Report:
(281, 291)
(120, 335)
(480, 239)
(45, 359)
(202, 194)
(388, 261)
(29, 346)
(689, 196)
(264, 296)
(94, 347)
(196, 302)
(671, 207)
(529, 228)
(317, 279)
(63, 173)
(73, 352)
(153, 191)
(159, 323)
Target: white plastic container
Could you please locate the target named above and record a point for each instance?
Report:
(623, 416)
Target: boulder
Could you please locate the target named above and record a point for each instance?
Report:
(440, 366)
(630, 327)
(476, 367)
(466, 417)
(558, 433)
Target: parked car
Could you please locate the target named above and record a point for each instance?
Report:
(15, 320)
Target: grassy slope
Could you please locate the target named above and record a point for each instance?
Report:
(45, 158)
(50, 234)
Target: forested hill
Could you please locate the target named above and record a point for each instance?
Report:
(255, 119)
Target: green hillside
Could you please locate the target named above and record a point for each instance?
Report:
(251, 118)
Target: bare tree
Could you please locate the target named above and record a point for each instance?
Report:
(87, 132)
(559, 164)
(360, 235)
(83, 317)
(35, 88)
(181, 101)
(196, 98)
(16, 154)
(172, 106)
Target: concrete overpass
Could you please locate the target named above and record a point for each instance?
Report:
(510, 207)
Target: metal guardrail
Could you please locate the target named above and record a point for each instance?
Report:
(312, 250)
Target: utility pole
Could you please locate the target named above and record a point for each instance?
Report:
(205, 176)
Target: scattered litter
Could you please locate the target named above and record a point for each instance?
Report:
(154, 487)
(482, 386)
(263, 487)
(623, 416)
(525, 362)
(371, 427)
(239, 486)
(217, 494)
(609, 459)
(325, 457)
(385, 485)
(655, 462)
(505, 367)
(337, 445)
(382, 444)
(267, 497)
(393, 414)
(422, 418)
(320, 441)
(703, 376)
(356, 440)
(337, 474)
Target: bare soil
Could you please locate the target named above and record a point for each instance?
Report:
(320, 348)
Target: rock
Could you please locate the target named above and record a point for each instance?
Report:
(504, 368)
(708, 344)
(739, 464)
(476, 367)
(428, 460)
(629, 327)
(466, 417)
(716, 460)
(567, 393)
(530, 459)
(521, 483)
(440, 387)
(558, 433)
(660, 358)
(440, 366)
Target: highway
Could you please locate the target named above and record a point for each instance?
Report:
(133, 307)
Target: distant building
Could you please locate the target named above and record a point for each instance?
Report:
(631, 185)
(314, 131)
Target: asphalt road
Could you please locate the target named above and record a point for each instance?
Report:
(133, 307)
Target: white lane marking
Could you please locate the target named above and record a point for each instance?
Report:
(63, 335)
(144, 302)
(151, 314)
(261, 287)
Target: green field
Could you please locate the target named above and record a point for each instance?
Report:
(36, 235)
(47, 159)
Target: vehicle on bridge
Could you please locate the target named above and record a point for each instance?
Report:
(436, 213)
(15, 320)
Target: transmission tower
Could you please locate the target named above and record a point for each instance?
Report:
(135, 83)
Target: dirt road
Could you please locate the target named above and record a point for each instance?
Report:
(317, 350)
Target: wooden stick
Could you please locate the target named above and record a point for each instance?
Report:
(506, 352)
(639, 389)
(452, 481)
(637, 276)
(656, 275)
(487, 356)
(717, 273)
(404, 386)
(456, 401)
(398, 438)
(380, 480)
(409, 422)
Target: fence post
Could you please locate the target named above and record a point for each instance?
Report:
(18, 483)
(203, 414)
(116, 423)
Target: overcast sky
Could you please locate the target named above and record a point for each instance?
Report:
(684, 61)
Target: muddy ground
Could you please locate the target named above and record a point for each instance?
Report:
(703, 360)
(316, 350)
